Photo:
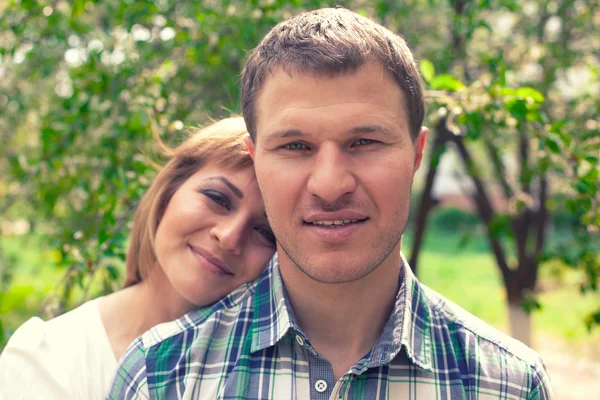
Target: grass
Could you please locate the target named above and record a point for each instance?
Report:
(466, 275)
(469, 277)
(33, 278)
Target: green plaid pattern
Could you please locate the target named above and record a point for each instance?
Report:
(249, 346)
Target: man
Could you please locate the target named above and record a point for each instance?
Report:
(334, 106)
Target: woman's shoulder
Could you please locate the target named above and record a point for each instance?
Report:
(65, 330)
(80, 319)
(52, 355)
(28, 334)
(36, 332)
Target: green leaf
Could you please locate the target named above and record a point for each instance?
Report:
(485, 25)
(113, 272)
(383, 8)
(592, 320)
(500, 225)
(530, 304)
(584, 187)
(530, 93)
(517, 108)
(507, 91)
(446, 82)
(465, 240)
(552, 144)
(565, 137)
(535, 116)
(592, 159)
(591, 176)
(427, 70)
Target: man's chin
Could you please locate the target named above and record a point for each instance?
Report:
(340, 273)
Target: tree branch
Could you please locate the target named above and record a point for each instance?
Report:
(541, 218)
(499, 170)
(522, 220)
(484, 207)
(428, 202)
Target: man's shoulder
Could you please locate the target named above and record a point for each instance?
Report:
(205, 319)
(466, 328)
(484, 359)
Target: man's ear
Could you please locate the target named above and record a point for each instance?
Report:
(250, 145)
(419, 147)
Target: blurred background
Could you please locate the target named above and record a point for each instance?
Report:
(505, 218)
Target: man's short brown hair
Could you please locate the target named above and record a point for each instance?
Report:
(331, 42)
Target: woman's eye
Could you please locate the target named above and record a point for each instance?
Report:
(267, 233)
(295, 146)
(218, 198)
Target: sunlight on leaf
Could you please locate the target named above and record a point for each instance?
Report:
(427, 70)
(446, 82)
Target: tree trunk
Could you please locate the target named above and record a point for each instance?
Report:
(520, 323)
(520, 320)
(428, 202)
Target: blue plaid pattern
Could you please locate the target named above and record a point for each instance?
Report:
(249, 346)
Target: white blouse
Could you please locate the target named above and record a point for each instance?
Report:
(68, 357)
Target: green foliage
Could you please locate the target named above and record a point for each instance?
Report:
(453, 220)
(83, 81)
(446, 82)
(427, 70)
(527, 128)
(593, 319)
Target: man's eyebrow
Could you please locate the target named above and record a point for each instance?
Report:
(287, 133)
(360, 130)
(230, 185)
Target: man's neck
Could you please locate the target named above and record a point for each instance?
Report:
(342, 321)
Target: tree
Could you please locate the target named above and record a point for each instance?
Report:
(519, 126)
(83, 82)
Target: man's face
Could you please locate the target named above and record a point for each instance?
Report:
(335, 164)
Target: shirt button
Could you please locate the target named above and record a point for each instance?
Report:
(320, 386)
(300, 340)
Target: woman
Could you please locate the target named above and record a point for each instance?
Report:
(199, 232)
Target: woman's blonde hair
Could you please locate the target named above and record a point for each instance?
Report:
(221, 143)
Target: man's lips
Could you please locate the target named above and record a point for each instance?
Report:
(335, 228)
(333, 219)
(211, 259)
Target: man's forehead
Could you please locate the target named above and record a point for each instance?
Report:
(282, 84)
(293, 72)
(289, 93)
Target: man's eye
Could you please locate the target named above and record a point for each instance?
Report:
(295, 146)
(364, 142)
(218, 198)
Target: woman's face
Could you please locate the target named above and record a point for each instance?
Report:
(214, 236)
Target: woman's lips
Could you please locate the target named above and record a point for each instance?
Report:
(210, 261)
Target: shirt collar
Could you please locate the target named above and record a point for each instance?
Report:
(409, 325)
(271, 308)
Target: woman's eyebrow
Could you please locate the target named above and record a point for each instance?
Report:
(238, 193)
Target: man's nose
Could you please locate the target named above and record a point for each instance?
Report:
(332, 173)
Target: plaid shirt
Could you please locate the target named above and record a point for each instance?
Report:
(248, 346)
